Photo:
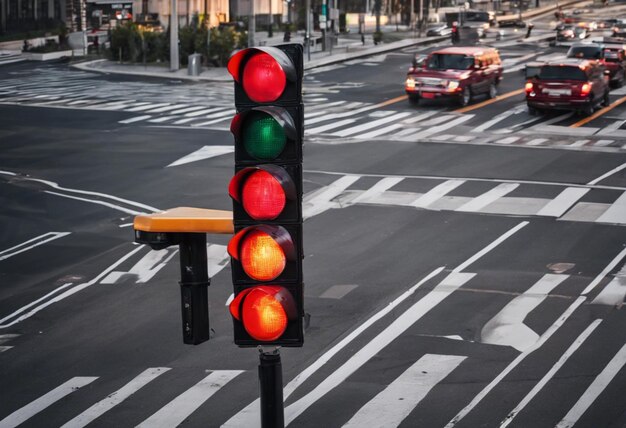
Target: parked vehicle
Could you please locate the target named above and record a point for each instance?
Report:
(590, 51)
(614, 61)
(439, 30)
(571, 84)
(458, 73)
(569, 33)
(619, 30)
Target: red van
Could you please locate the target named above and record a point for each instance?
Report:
(457, 73)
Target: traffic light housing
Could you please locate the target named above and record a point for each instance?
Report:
(266, 250)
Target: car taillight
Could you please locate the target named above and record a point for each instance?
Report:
(528, 87)
(585, 88)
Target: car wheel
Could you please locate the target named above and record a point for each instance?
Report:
(465, 97)
(589, 108)
(414, 99)
(606, 100)
(493, 91)
(532, 111)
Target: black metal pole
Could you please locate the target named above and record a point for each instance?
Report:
(194, 283)
(271, 385)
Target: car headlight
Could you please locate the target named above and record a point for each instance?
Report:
(452, 85)
(410, 83)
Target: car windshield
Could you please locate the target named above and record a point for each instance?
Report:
(588, 52)
(450, 61)
(550, 72)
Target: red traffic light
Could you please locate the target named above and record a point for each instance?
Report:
(264, 311)
(263, 251)
(263, 191)
(263, 72)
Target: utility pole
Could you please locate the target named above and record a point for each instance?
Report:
(270, 33)
(174, 61)
(307, 36)
(251, 25)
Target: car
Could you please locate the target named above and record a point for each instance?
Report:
(619, 30)
(567, 33)
(532, 69)
(590, 51)
(614, 61)
(570, 84)
(439, 30)
(457, 73)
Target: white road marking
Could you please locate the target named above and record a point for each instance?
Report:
(594, 390)
(390, 407)
(563, 202)
(507, 326)
(579, 143)
(614, 292)
(33, 303)
(377, 189)
(507, 140)
(548, 376)
(249, 416)
(205, 152)
(146, 107)
(369, 125)
(166, 108)
(84, 192)
(205, 111)
(317, 202)
(380, 131)
(488, 124)
(616, 212)
(338, 291)
(480, 202)
(31, 409)
(436, 129)
(436, 193)
(31, 243)
(72, 290)
(329, 126)
(608, 174)
(603, 143)
(536, 141)
(135, 119)
(148, 266)
(95, 201)
(446, 287)
(605, 272)
(544, 337)
(177, 410)
(115, 398)
(420, 117)
(6, 338)
(187, 110)
(162, 119)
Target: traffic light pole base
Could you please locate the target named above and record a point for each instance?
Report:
(271, 386)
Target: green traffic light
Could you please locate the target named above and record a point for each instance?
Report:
(263, 137)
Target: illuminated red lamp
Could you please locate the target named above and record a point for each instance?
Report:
(263, 251)
(263, 191)
(263, 72)
(264, 311)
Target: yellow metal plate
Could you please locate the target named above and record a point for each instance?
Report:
(186, 219)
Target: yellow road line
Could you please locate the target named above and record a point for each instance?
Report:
(598, 113)
(392, 101)
(491, 101)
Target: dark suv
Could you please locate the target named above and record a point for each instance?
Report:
(579, 85)
(614, 60)
(585, 51)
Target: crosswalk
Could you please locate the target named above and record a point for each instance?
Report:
(328, 121)
(403, 392)
(558, 201)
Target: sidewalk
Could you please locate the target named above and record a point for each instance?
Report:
(347, 48)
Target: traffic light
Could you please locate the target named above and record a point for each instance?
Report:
(266, 249)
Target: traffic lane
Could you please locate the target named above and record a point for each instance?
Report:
(94, 153)
(48, 242)
(120, 321)
(463, 161)
(501, 275)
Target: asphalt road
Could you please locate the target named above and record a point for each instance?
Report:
(453, 277)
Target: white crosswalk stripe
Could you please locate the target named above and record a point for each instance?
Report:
(176, 411)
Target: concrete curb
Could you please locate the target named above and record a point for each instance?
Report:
(221, 75)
